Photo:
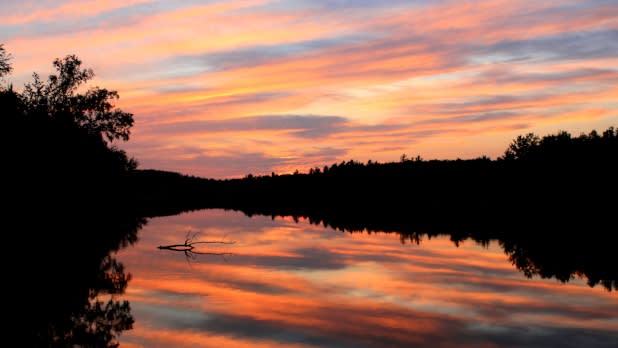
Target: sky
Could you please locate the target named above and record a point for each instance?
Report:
(226, 88)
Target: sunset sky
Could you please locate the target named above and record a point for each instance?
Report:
(226, 88)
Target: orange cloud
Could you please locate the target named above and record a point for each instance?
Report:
(443, 80)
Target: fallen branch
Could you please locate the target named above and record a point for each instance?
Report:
(189, 245)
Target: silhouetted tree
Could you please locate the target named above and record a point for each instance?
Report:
(93, 110)
(522, 146)
(5, 66)
(60, 136)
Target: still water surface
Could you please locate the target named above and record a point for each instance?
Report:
(289, 284)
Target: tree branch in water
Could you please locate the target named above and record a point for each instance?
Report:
(189, 245)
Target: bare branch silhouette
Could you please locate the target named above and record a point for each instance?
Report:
(188, 247)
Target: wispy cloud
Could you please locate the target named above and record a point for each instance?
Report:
(564, 46)
(307, 126)
(261, 54)
(445, 79)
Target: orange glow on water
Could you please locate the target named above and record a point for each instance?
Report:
(290, 284)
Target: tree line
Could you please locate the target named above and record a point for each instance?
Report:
(63, 137)
(549, 200)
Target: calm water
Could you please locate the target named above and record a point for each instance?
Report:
(295, 284)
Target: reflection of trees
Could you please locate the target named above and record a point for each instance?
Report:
(564, 259)
(70, 295)
(548, 247)
(572, 243)
(98, 319)
(548, 201)
(64, 193)
(100, 323)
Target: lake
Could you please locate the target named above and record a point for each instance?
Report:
(286, 283)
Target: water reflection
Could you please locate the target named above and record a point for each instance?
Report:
(561, 244)
(302, 285)
(67, 289)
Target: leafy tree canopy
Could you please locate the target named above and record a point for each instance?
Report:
(93, 110)
(561, 146)
(61, 123)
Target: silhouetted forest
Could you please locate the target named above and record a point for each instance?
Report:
(58, 143)
(63, 181)
(550, 202)
(61, 144)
